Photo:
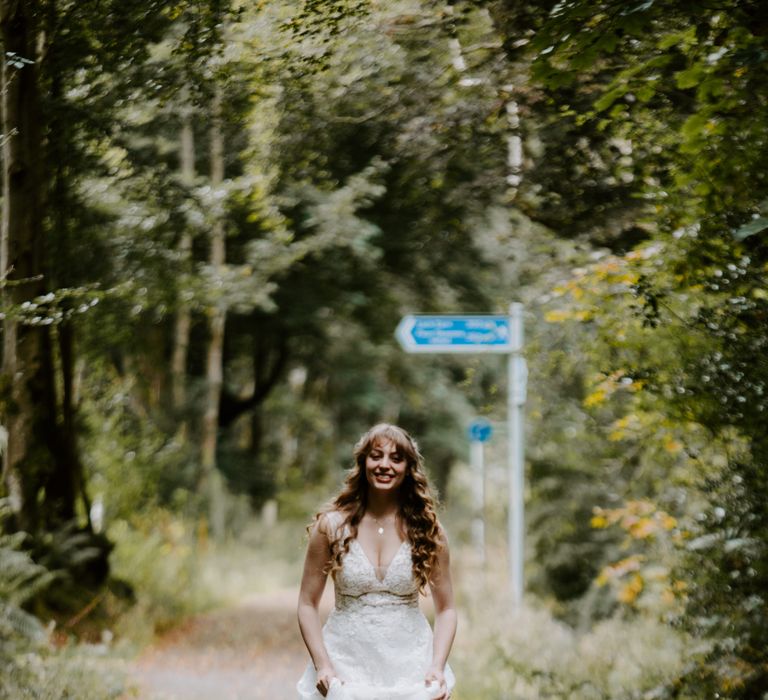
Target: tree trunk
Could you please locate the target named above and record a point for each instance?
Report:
(183, 317)
(217, 317)
(27, 382)
(67, 481)
(514, 146)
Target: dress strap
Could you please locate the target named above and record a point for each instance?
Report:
(335, 521)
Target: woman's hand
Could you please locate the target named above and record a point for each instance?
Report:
(325, 676)
(436, 677)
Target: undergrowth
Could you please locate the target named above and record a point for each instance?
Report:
(526, 653)
(32, 665)
(163, 569)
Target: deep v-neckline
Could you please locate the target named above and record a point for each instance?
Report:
(373, 566)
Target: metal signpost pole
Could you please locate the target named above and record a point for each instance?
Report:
(478, 526)
(480, 431)
(517, 378)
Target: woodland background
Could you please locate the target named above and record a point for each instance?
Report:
(214, 213)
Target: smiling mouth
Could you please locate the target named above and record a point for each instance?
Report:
(381, 476)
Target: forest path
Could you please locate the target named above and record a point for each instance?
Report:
(251, 651)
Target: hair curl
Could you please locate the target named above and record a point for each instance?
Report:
(416, 504)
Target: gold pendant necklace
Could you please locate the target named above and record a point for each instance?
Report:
(380, 528)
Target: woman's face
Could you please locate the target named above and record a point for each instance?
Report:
(385, 466)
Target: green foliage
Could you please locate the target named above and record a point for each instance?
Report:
(680, 319)
(20, 580)
(688, 405)
(177, 572)
(365, 176)
(31, 666)
(527, 653)
(125, 444)
(726, 600)
(158, 557)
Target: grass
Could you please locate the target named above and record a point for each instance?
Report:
(503, 653)
(175, 572)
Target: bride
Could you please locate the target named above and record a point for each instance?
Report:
(382, 544)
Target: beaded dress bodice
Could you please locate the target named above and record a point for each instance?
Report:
(358, 586)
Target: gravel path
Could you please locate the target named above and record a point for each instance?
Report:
(250, 652)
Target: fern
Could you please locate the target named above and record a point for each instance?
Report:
(29, 666)
(21, 625)
(20, 579)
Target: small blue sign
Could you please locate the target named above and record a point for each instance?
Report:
(480, 430)
(465, 333)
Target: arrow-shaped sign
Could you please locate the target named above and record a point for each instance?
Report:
(465, 333)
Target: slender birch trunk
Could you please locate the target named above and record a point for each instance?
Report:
(514, 146)
(183, 316)
(216, 322)
(514, 139)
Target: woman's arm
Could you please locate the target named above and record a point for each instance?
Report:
(312, 586)
(445, 614)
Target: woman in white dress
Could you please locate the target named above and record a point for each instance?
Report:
(382, 543)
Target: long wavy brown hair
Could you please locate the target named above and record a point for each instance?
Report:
(416, 504)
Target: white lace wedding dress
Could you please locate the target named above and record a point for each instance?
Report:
(379, 642)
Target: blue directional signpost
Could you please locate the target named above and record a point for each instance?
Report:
(476, 333)
(486, 333)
